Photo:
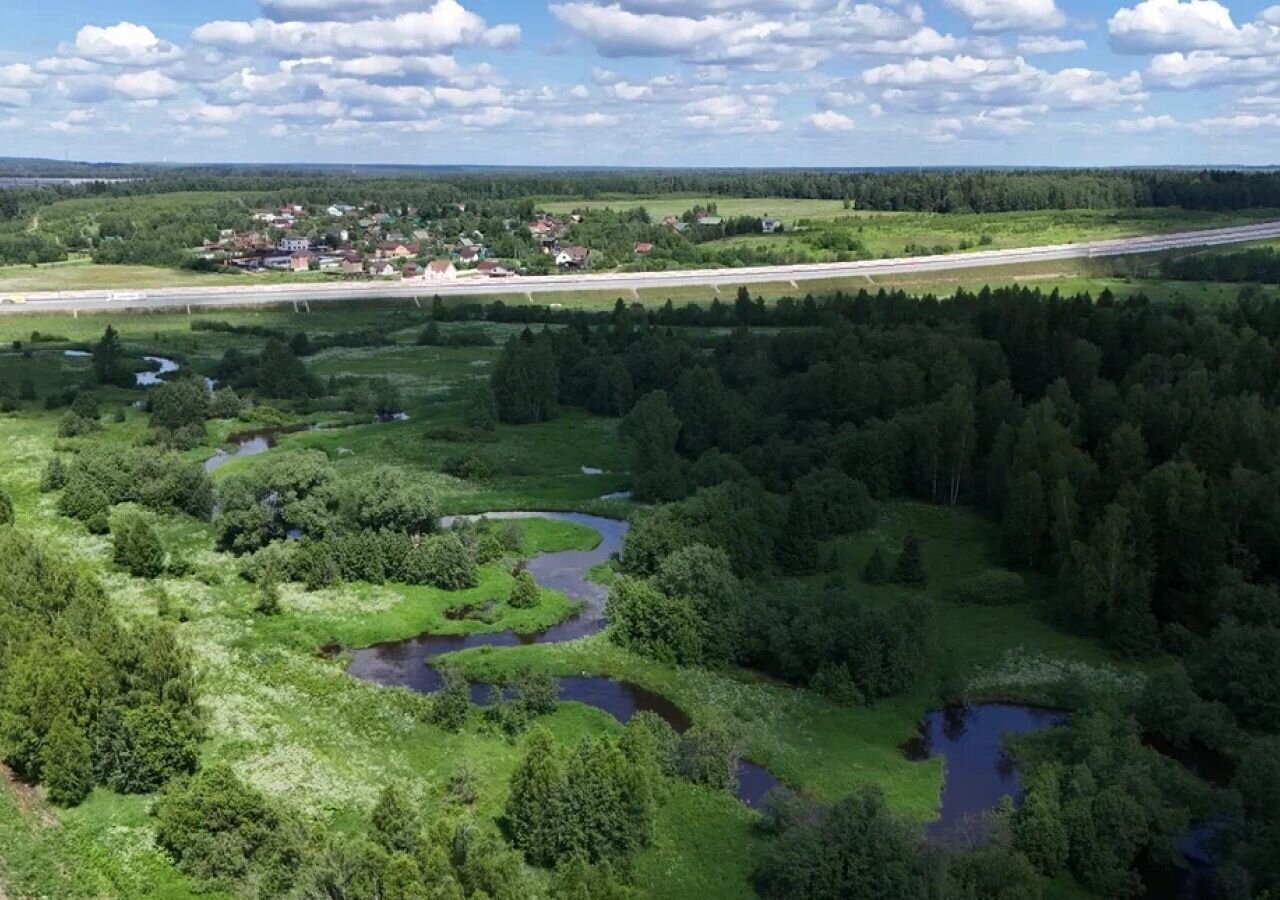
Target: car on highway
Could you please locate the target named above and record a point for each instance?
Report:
(15, 299)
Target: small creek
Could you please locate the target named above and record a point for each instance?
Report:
(408, 663)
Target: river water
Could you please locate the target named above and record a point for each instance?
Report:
(408, 663)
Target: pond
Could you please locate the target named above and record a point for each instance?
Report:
(978, 770)
(408, 663)
(152, 377)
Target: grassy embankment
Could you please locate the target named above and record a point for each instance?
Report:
(295, 725)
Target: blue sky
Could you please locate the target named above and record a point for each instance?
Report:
(644, 82)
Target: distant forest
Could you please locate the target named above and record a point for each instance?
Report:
(916, 190)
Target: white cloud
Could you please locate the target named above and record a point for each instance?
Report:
(941, 83)
(831, 121)
(618, 32)
(1010, 15)
(1153, 26)
(1206, 68)
(1037, 46)
(584, 120)
(457, 97)
(331, 10)
(19, 75)
(14, 97)
(445, 26)
(148, 84)
(124, 43)
(1146, 124)
(579, 92)
(998, 124)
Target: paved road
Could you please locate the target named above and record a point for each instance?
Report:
(624, 283)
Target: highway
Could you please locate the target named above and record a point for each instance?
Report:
(624, 283)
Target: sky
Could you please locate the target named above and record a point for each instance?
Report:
(643, 82)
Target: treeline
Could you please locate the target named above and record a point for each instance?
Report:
(936, 190)
(1260, 264)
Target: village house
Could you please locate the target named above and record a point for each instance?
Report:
(383, 269)
(292, 243)
(440, 270)
(300, 261)
(644, 248)
(330, 263)
(710, 221)
(769, 225)
(468, 254)
(493, 269)
(394, 249)
(352, 267)
(410, 270)
(573, 257)
(279, 261)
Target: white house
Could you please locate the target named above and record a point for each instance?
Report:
(293, 243)
(573, 257)
(440, 270)
(769, 224)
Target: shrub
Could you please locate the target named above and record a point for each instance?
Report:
(525, 593)
(54, 476)
(6, 508)
(992, 587)
(139, 750)
(136, 546)
(66, 766)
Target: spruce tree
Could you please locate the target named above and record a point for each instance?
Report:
(395, 820)
(481, 411)
(66, 766)
(537, 791)
(909, 569)
(877, 568)
(137, 547)
(798, 549)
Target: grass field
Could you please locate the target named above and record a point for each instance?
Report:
(912, 234)
(787, 209)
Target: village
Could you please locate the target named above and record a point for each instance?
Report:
(352, 242)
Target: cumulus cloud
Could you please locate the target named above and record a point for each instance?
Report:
(1153, 26)
(830, 121)
(1039, 46)
(145, 85)
(768, 36)
(941, 82)
(19, 75)
(10, 96)
(1146, 124)
(1010, 15)
(124, 43)
(447, 25)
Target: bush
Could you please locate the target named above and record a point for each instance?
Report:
(215, 826)
(993, 587)
(54, 476)
(66, 766)
(525, 593)
(139, 750)
(6, 508)
(136, 546)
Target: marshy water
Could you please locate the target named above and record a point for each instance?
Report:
(978, 770)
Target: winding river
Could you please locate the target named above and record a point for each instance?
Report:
(408, 663)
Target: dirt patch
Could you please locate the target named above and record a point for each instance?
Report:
(30, 804)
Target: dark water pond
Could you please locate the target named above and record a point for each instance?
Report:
(978, 771)
(408, 663)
